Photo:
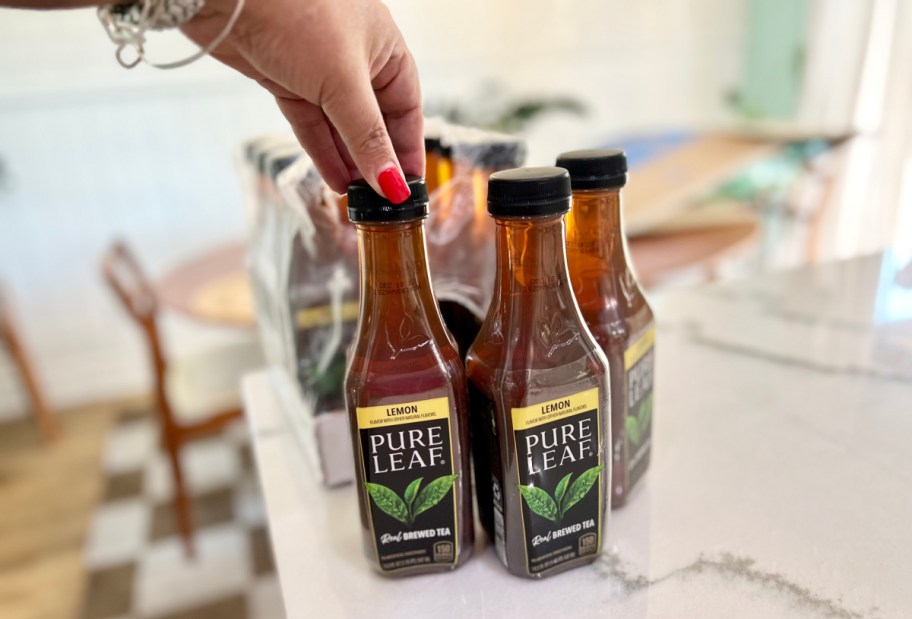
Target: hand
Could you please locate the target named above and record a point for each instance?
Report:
(342, 76)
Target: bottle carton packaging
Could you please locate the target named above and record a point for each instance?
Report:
(303, 265)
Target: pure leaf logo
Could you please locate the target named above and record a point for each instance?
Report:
(636, 424)
(541, 503)
(413, 503)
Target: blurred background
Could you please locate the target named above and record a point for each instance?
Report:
(782, 126)
(89, 151)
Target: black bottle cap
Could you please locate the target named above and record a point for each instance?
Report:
(527, 192)
(431, 144)
(368, 206)
(596, 168)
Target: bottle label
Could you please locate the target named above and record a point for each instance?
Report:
(486, 454)
(639, 365)
(409, 482)
(560, 478)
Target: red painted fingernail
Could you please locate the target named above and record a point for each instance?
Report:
(393, 185)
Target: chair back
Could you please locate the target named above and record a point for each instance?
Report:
(4, 314)
(8, 321)
(129, 283)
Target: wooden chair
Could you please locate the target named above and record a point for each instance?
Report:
(11, 339)
(125, 277)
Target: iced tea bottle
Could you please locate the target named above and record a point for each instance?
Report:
(538, 390)
(613, 305)
(405, 392)
(475, 156)
(432, 162)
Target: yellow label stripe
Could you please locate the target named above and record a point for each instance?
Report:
(639, 348)
(321, 316)
(406, 412)
(552, 410)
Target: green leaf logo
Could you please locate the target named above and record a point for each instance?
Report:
(553, 509)
(388, 502)
(636, 425)
(411, 492)
(432, 494)
(561, 489)
(413, 503)
(581, 487)
(540, 502)
(633, 429)
(644, 414)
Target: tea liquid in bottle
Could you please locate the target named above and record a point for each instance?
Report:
(438, 164)
(538, 387)
(475, 155)
(613, 305)
(434, 163)
(405, 391)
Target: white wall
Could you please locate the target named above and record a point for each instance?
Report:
(636, 65)
(93, 151)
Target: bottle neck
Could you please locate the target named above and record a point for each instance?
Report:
(531, 258)
(478, 178)
(393, 260)
(534, 321)
(603, 280)
(396, 284)
(595, 229)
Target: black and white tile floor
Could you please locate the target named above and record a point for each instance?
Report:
(135, 558)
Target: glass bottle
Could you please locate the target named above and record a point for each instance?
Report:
(405, 392)
(474, 156)
(538, 390)
(613, 305)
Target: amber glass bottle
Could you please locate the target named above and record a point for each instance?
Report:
(437, 169)
(474, 156)
(405, 391)
(613, 305)
(538, 387)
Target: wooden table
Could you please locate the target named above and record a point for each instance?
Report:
(656, 256)
(673, 182)
(212, 287)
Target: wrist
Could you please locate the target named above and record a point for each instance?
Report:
(213, 16)
(126, 24)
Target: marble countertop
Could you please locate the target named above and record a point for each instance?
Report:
(780, 486)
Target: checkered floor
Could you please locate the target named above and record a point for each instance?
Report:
(136, 561)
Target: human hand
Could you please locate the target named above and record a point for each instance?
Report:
(342, 76)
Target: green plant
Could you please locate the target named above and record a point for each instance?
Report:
(413, 503)
(554, 508)
(494, 109)
(636, 425)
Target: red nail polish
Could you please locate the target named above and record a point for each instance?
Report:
(393, 185)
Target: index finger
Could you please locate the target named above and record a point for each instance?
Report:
(398, 92)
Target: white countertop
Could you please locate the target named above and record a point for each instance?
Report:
(780, 485)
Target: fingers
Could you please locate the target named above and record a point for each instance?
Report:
(399, 96)
(346, 156)
(351, 105)
(312, 129)
(357, 111)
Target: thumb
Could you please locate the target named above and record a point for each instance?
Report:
(353, 110)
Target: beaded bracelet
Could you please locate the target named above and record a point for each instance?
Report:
(127, 24)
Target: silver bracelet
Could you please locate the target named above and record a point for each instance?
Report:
(127, 24)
